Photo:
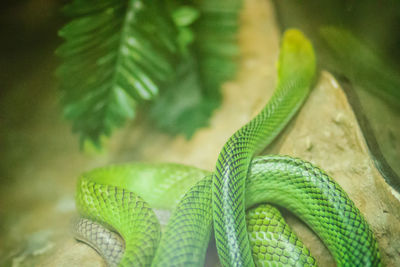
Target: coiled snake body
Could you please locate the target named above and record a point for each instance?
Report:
(109, 197)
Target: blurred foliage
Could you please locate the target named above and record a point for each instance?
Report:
(353, 58)
(187, 102)
(118, 54)
(356, 39)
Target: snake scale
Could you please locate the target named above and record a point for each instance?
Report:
(116, 203)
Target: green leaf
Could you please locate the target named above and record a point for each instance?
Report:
(116, 53)
(120, 53)
(185, 16)
(216, 44)
(182, 108)
(187, 103)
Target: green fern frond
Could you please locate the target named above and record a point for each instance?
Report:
(182, 107)
(187, 103)
(116, 53)
(216, 44)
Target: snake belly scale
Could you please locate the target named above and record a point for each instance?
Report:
(118, 200)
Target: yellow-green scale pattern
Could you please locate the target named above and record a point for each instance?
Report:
(110, 196)
(124, 212)
(272, 241)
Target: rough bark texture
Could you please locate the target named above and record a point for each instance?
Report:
(325, 132)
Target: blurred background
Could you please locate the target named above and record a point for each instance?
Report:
(358, 41)
(27, 80)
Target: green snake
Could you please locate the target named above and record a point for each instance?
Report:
(116, 203)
